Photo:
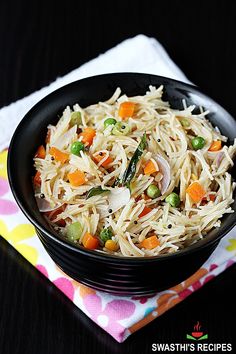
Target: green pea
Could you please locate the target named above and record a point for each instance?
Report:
(75, 118)
(76, 147)
(198, 143)
(120, 128)
(153, 191)
(173, 199)
(109, 121)
(74, 231)
(185, 123)
(106, 234)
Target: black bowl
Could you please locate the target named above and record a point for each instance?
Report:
(117, 275)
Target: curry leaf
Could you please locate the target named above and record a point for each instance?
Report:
(131, 169)
(95, 191)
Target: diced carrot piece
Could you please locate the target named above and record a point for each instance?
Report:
(59, 155)
(37, 179)
(215, 145)
(41, 152)
(52, 215)
(76, 178)
(150, 242)
(48, 136)
(126, 109)
(145, 211)
(87, 135)
(90, 242)
(107, 161)
(99, 156)
(212, 197)
(196, 191)
(111, 245)
(149, 168)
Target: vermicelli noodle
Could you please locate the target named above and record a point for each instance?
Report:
(134, 176)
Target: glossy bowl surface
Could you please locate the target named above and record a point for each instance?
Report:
(118, 275)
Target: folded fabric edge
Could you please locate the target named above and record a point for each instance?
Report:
(177, 294)
(90, 68)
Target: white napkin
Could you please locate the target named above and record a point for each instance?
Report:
(138, 54)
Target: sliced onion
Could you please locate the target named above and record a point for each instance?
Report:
(212, 154)
(164, 168)
(64, 140)
(217, 129)
(44, 205)
(219, 158)
(117, 198)
(216, 155)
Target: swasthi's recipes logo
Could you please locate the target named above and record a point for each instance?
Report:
(197, 334)
(197, 342)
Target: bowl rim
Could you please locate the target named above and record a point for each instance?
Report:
(200, 244)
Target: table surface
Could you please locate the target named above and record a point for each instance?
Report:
(39, 42)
